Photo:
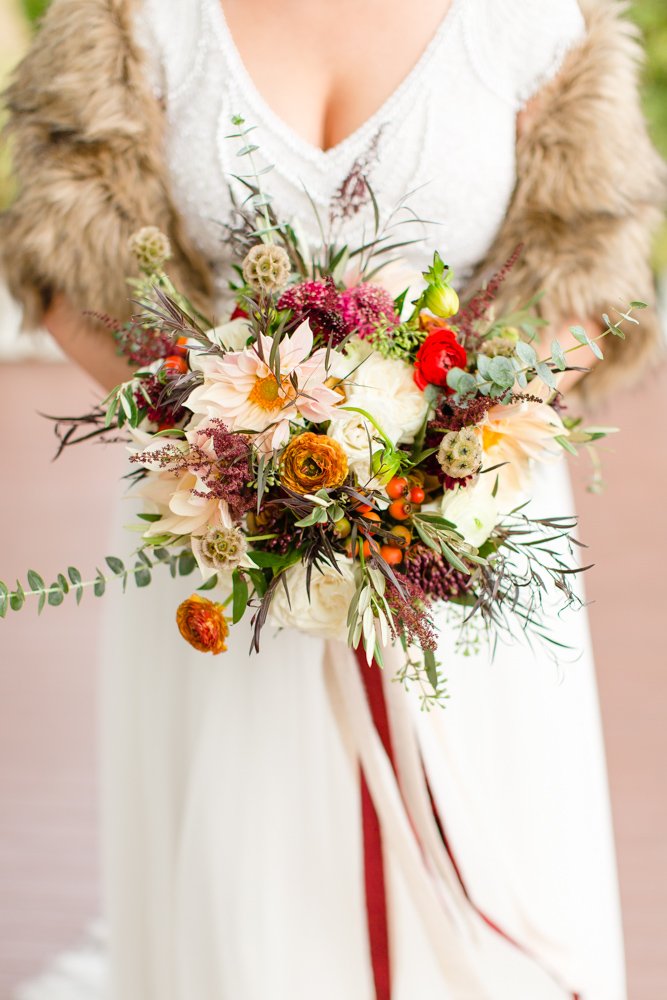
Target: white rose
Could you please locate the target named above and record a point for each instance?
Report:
(358, 437)
(325, 614)
(389, 383)
(473, 510)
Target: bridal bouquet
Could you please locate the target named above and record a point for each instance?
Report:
(341, 455)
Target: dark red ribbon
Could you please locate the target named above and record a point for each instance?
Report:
(374, 873)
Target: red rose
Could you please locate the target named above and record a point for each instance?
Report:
(436, 357)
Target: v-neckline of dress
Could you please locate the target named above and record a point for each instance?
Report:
(371, 124)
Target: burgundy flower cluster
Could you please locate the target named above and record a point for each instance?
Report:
(226, 477)
(430, 571)
(334, 315)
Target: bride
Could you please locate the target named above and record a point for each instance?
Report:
(238, 865)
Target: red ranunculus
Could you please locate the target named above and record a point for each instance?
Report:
(436, 357)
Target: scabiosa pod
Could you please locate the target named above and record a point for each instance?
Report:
(150, 248)
(460, 453)
(221, 549)
(266, 268)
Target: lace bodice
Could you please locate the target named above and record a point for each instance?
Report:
(443, 142)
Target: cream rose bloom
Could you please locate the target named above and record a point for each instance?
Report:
(359, 439)
(325, 614)
(387, 385)
(473, 510)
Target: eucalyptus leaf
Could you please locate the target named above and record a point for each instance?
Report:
(526, 353)
(4, 599)
(558, 355)
(17, 598)
(35, 581)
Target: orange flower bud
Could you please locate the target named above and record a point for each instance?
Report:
(203, 624)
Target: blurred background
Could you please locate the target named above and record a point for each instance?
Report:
(48, 808)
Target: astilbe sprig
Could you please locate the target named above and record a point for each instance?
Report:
(225, 476)
(410, 606)
(478, 307)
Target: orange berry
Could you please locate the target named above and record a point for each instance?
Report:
(400, 531)
(417, 494)
(397, 487)
(181, 348)
(366, 548)
(362, 508)
(391, 554)
(371, 515)
(175, 364)
(400, 510)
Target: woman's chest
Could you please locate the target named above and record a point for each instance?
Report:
(439, 155)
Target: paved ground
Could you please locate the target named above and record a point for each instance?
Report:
(48, 869)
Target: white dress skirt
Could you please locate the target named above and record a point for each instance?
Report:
(233, 844)
(234, 849)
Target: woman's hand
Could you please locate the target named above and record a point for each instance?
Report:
(92, 349)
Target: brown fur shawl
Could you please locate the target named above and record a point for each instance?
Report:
(87, 133)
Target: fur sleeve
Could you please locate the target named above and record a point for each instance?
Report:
(589, 197)
(86, 136)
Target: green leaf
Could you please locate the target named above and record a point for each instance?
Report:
(56, 596)
(186, 563)
(579, 334)
(546, 374)
(210, 583)
(116, 565)
(17, 598)
(63, 584)
(150, 517)
(259, 581)
(239, 596)
(526, 353)
(100, 584)
(142, 575)
(558, 355)
(35, 581)
(637, 304)
(267, 559)
(501, 372)
(452, 558)
(75, 580)
(4, 599)
(431, 668)
(567, 445)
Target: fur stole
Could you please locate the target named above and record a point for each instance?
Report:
(87, 134)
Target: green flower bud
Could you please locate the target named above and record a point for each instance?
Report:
(441, 299)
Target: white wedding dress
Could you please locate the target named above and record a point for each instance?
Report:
(232, 830)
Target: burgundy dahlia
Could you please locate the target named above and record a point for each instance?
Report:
(319, 303)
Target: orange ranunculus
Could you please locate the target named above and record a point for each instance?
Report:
(312, 462)
(202, 624)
